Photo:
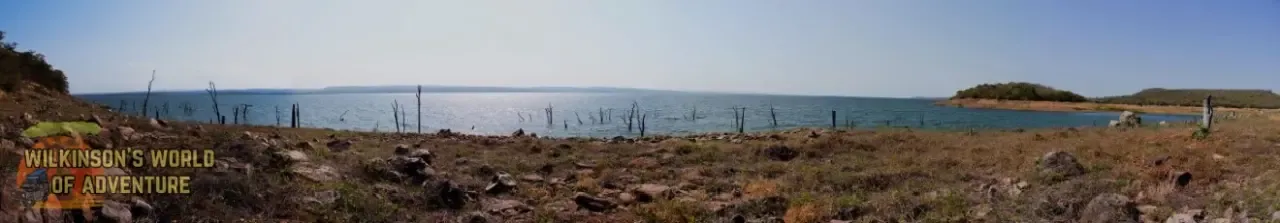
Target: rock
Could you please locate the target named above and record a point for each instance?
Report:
(247, 135)
(423, 154)
(781, 153)
(116, 212)
(402, 149)
(534, 135)
(451, 195)
(28, 118)
(1186, 216)
(1127, 119)
(97, 120)
(315, 172)
(292, 156)
(518, 133)
(506, 207)
(158, 124)
(979, 211)
(6, 145)
(814, 134)
(1059, 164)
(1181, 178)
(1218, 156)
(547, 169)
(531, 178)
(585, 164)
(626, 198)
(1163, 123)
(126, 133)
(651, 192)
(323, 197)
(305, 146)
(644, 163)
(230, 164)
(416, 169)
(594, 204)
(1109, 208)
(141, 208)
(476, 217)
(502, 182)
(338, 145)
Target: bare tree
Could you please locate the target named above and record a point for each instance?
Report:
(148, 97)
(213, 94)
(395, 115)
(550, 115)
(419, 95)
(575, 114)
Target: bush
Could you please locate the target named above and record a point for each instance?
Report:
(17, 67)
(1018, 91)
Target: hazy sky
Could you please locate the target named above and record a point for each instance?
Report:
(890, 48)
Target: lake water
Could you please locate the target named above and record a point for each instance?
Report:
(667, 113)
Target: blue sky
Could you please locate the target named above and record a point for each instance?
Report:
(891, 48)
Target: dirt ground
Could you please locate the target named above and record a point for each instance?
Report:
(264, 174)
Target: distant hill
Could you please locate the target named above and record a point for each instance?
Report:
(1238, 98)
(1018, 91)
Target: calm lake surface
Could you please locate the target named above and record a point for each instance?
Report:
(667, 113)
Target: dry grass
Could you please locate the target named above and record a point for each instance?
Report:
(861, 176)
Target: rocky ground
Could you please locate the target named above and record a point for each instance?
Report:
(1144, 174)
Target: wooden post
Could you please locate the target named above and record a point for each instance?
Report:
(293, 116)
(833, 119)
(277, 116)
(1208, 112)
(148, 98)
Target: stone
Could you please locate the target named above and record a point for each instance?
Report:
(292, 156)
(247, 135)
(531, 178)
(315, 172)
(592, 203)
(1127, 119)
(451, 195)
(1181, 178)
(1186, 216)
(1059, 164)
(781, 153)
(1110, 208)
(126, 133)
(338, 145)
(501, 182)
(116, 212)
(585, 164)
(506, 207)
(6, 145)
(1275, 216)
(323, 197)
(1163, 123)
(626, 198)
(518, 133)
(475, 217)
(141, 208)
(423, 154)
(644, 163)
(651, 192)
(402, 149)
(95, 119)
(158, 124)
(305, 146)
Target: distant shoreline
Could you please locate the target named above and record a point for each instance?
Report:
(1083, 106)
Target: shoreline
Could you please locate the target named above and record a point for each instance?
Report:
(1087, 107)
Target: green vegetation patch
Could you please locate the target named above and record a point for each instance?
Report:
(1018, 91)
(1236, 98)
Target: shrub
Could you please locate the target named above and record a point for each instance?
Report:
(17, 67)
(1018, 91)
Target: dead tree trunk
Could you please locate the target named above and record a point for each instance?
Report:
(419, 109)
(643, 125)
(774, 116)
(550, 115)
(575, 114)
(213, 94)
(147, 99)
(395, 116)
(235, 115)
(277, 115)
